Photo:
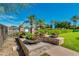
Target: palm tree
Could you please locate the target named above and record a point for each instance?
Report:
(41, 23)
(31, 21)
(48, 26)
(74, 19)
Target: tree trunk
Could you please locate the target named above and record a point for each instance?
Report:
(74, 25)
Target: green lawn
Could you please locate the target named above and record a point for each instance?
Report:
(71, 40)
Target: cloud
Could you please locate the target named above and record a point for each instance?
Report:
(7, 17)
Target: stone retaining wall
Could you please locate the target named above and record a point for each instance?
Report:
(23, 47)
(39, 47)
(45, 49)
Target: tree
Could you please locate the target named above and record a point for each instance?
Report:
(74, 19)
(31, 21)
(48, 26)
(41, 23)
(63, 24)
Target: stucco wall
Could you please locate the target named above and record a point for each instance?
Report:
(3, 34)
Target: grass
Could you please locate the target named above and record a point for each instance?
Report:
(71, 40)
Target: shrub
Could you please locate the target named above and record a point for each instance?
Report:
(58, 31)
(41, 31)
(50, 31)
(76, 30)
(53, 31)
(21, 34)
(66, 30)
(28, 35)
(25, 35)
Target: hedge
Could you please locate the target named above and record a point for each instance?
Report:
(76, 30)
(50, 31)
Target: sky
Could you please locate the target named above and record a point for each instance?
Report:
(46, 11)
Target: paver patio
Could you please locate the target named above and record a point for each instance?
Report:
(9, 48)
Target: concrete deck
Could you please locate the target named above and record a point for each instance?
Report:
(61, 51)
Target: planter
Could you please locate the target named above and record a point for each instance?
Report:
(54, 35)
(27, 41)
(21, 36)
